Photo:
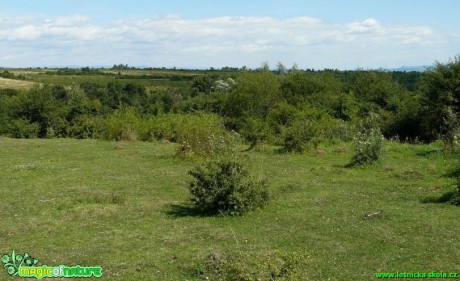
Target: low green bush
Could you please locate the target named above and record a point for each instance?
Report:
(225, 186)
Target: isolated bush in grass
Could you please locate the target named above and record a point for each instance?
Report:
(368, 142)
(225, 186)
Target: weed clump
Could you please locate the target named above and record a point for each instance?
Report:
(225, 186)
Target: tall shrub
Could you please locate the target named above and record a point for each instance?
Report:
(368, 142)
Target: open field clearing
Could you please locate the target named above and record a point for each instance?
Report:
(15, 84)
(124, 206)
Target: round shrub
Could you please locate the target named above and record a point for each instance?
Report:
(224, 186)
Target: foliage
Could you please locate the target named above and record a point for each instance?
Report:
(306, 89)
(202, 84)
(255, 131)
(262, 105)
(275, 265)
(85, 127)
(225, 186)
(22, 128)
(224, 86)
(121, 125)
(201, 135)
(36, 106)
(282, 115)
(441, 100)
(404, 123)
(7, 74)
(303, 134)
(254, 95)
(373, 89)
(307, 130)
(368, 142)
(345, 107)
(212, 103)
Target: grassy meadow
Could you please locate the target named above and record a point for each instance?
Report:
(124, 206)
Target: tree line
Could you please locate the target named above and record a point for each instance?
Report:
(262, 106)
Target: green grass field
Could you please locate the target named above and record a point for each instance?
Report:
(123, 206)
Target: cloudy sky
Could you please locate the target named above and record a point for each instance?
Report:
(343, 34)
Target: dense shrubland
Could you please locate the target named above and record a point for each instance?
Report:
(295, 109)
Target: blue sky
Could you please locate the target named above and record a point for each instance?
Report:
(203, 33)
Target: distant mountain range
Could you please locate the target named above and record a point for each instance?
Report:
(419, 68)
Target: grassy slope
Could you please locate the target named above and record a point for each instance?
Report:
(59, 201)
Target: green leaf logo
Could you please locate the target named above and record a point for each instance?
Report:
(13, 262)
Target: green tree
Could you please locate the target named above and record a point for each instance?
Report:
(36, 105)
(441, 100)
(254, 95)
(310, 89)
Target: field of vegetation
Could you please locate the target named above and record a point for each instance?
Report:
(232, 174)
(125, 206)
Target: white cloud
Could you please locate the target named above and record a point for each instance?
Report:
(67, 21)
(172, 40)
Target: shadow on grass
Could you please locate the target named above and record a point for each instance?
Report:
(448, 197)
(453, 172)
(354, 165)
(427, 153)
(186, 210)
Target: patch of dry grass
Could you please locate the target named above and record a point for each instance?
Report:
(15, 84)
